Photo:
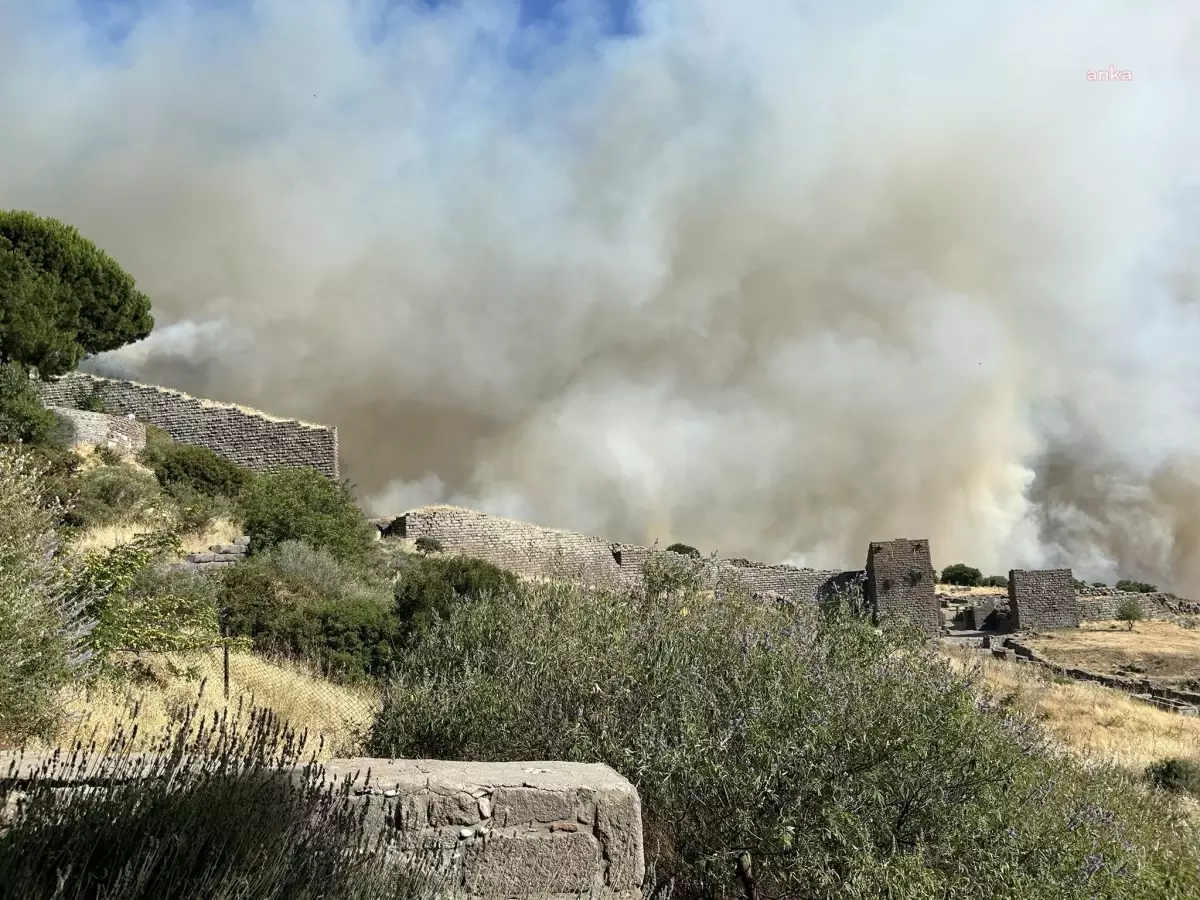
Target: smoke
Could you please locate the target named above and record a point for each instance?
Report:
(772, 278)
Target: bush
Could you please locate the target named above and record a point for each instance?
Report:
(1175, 775)
(1130, 611)
(41, 629)
(304, 505)
(204, 821)
(685, 549)
(302, 603)
(1137, 587)
(426, 544)
(128, 620)
(997, 581)
(109, 495)
(23, 418)
(840, 759)
(961, 574)
(195, 512)
(429, 587)
(188, 469)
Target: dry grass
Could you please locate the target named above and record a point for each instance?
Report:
(1160, 649)
(955, 590)
(1088, 720)
(104, 537)
(331, 713)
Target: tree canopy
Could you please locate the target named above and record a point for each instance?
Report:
(61, 297)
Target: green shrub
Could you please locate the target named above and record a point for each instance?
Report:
(1137, 587)
(40, 627)
(198, 470)
(962, 574)
(1130, 611)
(840, 759)
(997, 581)
(205, 823)
(429, 587)
(427, 544)
(685, 549)
(93, 402)
(128, 620)
(23, 418)
(194, 512)
(108, 495)
(108, 456)
(303, 505)
(1175, 775)
(302, 603)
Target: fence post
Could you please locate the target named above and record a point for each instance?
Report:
(225, 651)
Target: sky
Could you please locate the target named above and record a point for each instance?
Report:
(772, 278)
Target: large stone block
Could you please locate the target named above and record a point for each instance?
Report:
(508, 829)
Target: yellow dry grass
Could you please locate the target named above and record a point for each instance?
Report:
(104, 537)
(955, 590)
(1088, 720)
(1161, 649)
(332, 714)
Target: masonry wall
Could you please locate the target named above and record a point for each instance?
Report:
(1042, 598)
(1103, 607)
(784, 582)
(526, 549)
(535, 551)
(124, 435)
(900, 583)
(249, 438)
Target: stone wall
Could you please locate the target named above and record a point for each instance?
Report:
(900, 583)
(535, 551)
(1103, 607)
(126, 436)
(1042, 598)
(247, 437)
(497, 830)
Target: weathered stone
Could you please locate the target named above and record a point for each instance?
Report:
(1042, 598)
(520, 805)
(523, 865)
(249, 438)
(900, 583)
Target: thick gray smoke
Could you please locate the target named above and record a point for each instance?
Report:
(774, 278)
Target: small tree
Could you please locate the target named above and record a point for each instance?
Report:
(961, 574)
(684, 549)
(1130, 611)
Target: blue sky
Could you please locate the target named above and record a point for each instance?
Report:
(112, 20)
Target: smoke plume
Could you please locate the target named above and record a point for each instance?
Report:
(772, 278)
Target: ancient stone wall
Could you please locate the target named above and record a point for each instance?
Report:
(529, 550)
(1093, 607)
(534, 551)
(1042, 598)
(900, 583)
(494, 830)
(247, 437)
(126, 436)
